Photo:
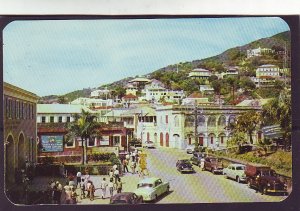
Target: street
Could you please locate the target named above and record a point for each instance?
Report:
(200, 187)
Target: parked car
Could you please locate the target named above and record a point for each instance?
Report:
(151, 188)
(196, 159)
(126, 198)
(184, 166)
(236, 172)
(213, 165)
(264, 179)
(149, 144)
(190, 148)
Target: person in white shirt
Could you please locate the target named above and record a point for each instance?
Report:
(103, 187)
(78, 175)
(111, 187)
(116, 175)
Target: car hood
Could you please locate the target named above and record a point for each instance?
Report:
(143, 191)
(272, 179)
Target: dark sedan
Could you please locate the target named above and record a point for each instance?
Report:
(184, 166)
(126, 198)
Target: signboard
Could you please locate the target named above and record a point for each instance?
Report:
(52, 143)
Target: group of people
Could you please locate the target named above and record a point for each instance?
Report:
(131, 160)
(63, 195)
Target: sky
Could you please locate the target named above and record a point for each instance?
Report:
(59, 56)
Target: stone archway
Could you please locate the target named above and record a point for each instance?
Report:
(21, 151)
(9, 160)
(177, 142)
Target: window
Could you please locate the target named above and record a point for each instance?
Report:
(17, 109)
(60, 119)
(116, 140)
(70, 143)
(211, 140)
(25, 111)
(91, 142)
(167, 119)
(51, 119)
(68, 119)
(222, 139)
(33, 112)
(43, 119)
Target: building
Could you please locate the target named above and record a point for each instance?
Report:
(155, 92)
(100, 93)
(130, 89)
(206, 89)
(195, 98)
(266, 75)
(129, 99)
(52, 129)
(230, 72)
(20, 139)
(200, 73)
(176, 125)
(259, 52)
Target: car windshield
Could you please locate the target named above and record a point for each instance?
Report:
(185, 161)
(142, 185)
(240, 168)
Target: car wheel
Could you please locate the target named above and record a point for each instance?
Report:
(249, 183)
(264, 191)
(156, 197)
(238, 179)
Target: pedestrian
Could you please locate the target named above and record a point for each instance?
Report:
(78, 175)
(82, 189)
(73, 196)
(125, 163)
(133, 166)
(59, 192)
(68, 195)
(103, 187)
(119, 185)
(91, 191)
(127, 157)
(133, 156)
(111, 187)
(202, 163)
(111, 173)
(87, 187)
(116, 175)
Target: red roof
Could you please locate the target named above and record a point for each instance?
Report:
(196, 95)
(130, 96)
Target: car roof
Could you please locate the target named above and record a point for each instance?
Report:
(236, 164)
(122, 196)
(149, 180)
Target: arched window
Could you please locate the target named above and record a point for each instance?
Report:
(189, 121)
(201, 121)
(211, 121)
(222, 121)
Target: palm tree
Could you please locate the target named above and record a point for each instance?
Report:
(86, 127)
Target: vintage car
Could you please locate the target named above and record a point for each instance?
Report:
(196, 159)
(149, 144)
(126, 198)
(236, 172)
(190, 148)
(184, 166)
(213, 165)
(151, 188)
(264, 179)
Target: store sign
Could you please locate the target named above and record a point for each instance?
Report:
(52, 143)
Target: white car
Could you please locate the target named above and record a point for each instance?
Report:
(236, 172)
(151, 188)
(149, 144)
(190, 148)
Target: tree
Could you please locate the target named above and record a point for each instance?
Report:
(279, 111)
(233, 83)
(248, 123)
(86, 127)
(247, 84)
(62, 99)
(217, 85)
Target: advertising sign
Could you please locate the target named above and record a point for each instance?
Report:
(52, 143)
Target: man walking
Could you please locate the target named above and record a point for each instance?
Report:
(103, 187)
(78, 175)
(125, 165)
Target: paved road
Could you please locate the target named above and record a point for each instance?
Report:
(201, 187)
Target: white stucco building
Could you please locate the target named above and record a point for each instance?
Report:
(266, 75)
(200, 73)
(259, 51)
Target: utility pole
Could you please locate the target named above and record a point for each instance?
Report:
(196, 124)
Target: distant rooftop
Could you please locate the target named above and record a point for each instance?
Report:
(60, 108)
(200, 70)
